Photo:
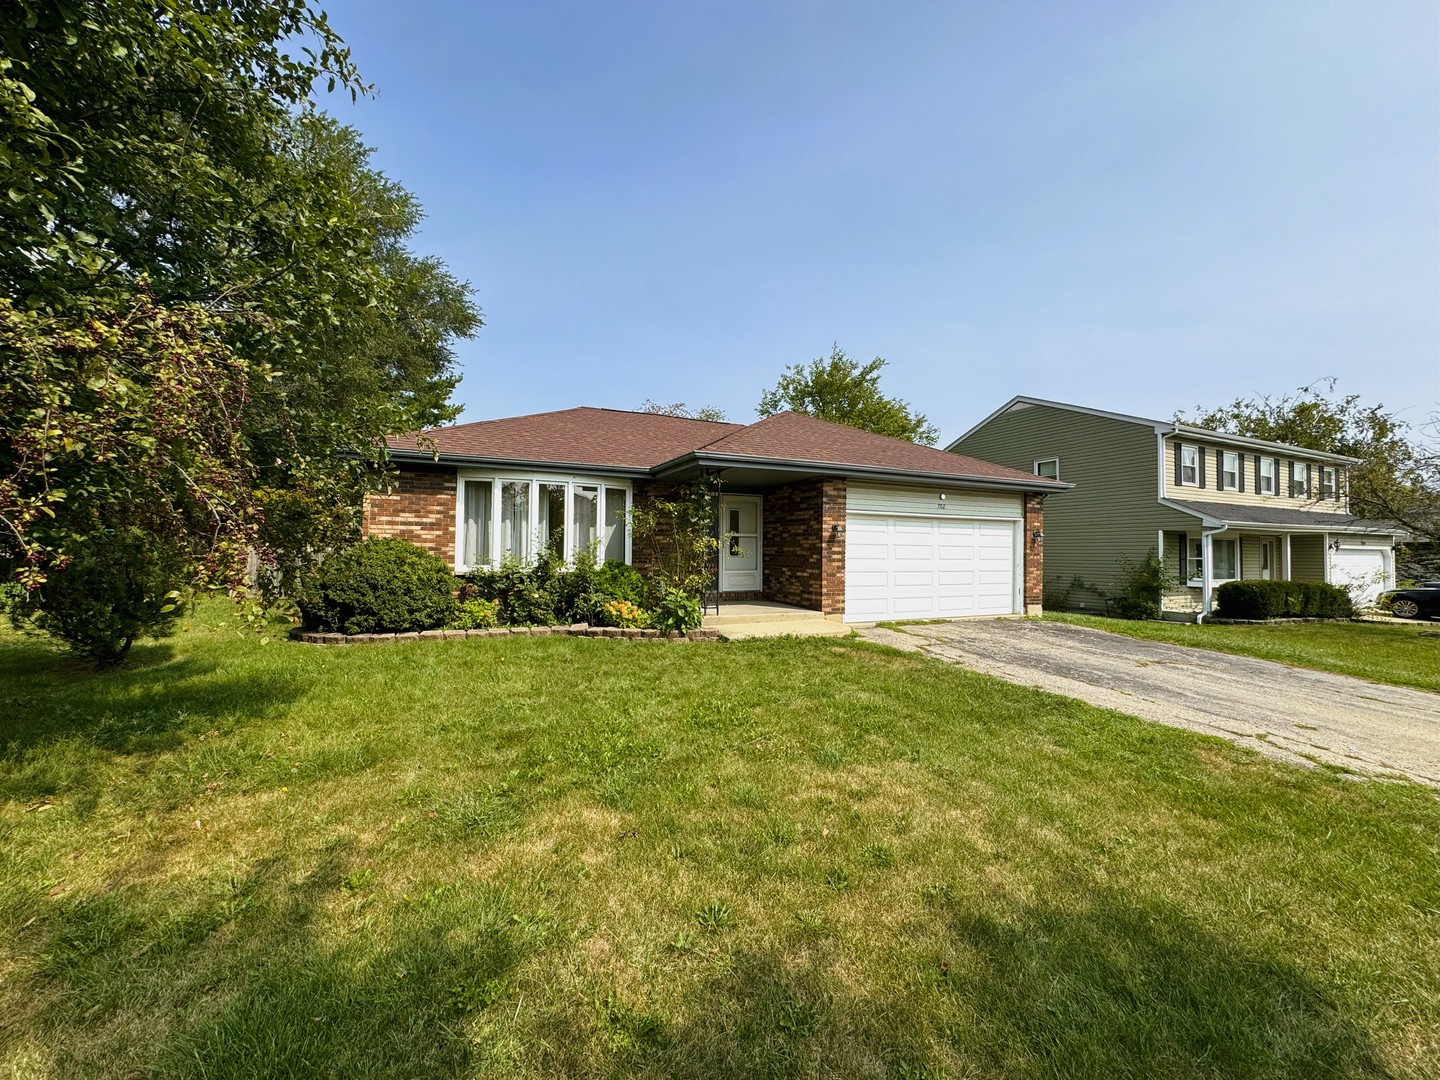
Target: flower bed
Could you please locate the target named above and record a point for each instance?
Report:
(313, 637)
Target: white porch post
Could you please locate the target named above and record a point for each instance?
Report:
(1285, 556)
(1325, 556)
(1207, 574)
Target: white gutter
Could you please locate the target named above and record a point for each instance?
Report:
(1207, 579)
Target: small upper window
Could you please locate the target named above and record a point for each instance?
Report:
(1049, 468)
(1299, 480)
(1229, 471)
(1268, 472)
(1327, 483)
(1190, 465)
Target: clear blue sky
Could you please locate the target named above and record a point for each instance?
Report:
(1139, 206)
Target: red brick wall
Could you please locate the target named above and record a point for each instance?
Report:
(642, 552)
(419, 508)
(803, 564)
(1034, 553)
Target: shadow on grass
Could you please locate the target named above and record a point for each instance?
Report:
(276, 973)
(1122, 989)
(64, 719)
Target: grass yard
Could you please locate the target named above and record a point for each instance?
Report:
(1402, 654)
(592, 858)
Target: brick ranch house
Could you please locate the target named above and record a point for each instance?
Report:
(810, 513)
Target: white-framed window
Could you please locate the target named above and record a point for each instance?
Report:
(503, 516)
(1300, 479)
(1226, 561)
(1229, 471)
(1269, 471)
(1049, 468)
(1225, 554)
(1189, 465)
(1328, 488)
(1195, 561)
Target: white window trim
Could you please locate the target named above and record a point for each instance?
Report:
(1222, 484)
(1331, 491)
(1035, 467)
(1199, 582)
(1180, 449)
(497, 477)
(1274, 476)
(1298, 469)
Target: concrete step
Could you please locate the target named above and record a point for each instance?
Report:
(745, 618)
(799, 628)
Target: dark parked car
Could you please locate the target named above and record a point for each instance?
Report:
(1423, 601)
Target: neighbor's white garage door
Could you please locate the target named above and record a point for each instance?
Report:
(1363, 570)
(927, 568)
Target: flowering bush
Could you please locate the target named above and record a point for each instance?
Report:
(622, 613)
(475, 614)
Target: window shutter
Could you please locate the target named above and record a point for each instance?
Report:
(1257, 474)
(1184, 558)
(1220, 469)
(1292, 479)
(1200, 457)
(1179, 464)
(1240, 471)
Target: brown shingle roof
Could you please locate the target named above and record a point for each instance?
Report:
(606, 438)
(615, 439)
(791, 436)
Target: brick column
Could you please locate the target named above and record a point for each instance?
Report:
(1034, 553)
(419, 508)
(832, 547)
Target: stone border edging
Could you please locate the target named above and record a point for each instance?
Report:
(314, 637)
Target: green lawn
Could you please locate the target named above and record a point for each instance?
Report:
(1403, 654)
(599, 858)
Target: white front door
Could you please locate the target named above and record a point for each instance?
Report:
(929, 568)
(740, 529)
(1267, 559)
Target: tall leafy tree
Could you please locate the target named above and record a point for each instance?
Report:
(679, 408)
(844, 391)
(197, 262)
(1398, 478)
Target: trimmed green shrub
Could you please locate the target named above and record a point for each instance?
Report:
(677, 611)
(118, 587)
(476, 614)
(620, 581)
(1283, 600)
(526, 595)
(380, 586)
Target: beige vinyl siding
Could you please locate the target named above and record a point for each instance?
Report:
(1307, 558)
(1211, 491)
(1112, 513)
(927, 501)
(1250, 545)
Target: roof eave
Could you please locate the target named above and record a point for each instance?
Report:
(829, 468)
(1263, 444)
(443, 458)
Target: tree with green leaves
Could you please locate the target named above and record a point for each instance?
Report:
(845, 391)
(209, 312)
(679, 408)
(1398, 477)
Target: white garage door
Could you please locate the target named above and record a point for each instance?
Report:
(927, 568)
(1362, 570)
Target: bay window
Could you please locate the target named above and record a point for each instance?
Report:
(518, 518)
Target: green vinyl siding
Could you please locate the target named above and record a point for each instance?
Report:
(1307, 558)
(1113, 512)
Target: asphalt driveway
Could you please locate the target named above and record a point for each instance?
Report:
(1294, 714)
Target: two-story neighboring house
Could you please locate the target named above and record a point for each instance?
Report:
(1216, 507)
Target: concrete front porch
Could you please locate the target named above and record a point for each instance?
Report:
(742, 619)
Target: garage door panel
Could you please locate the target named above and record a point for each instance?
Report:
(919, 568)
